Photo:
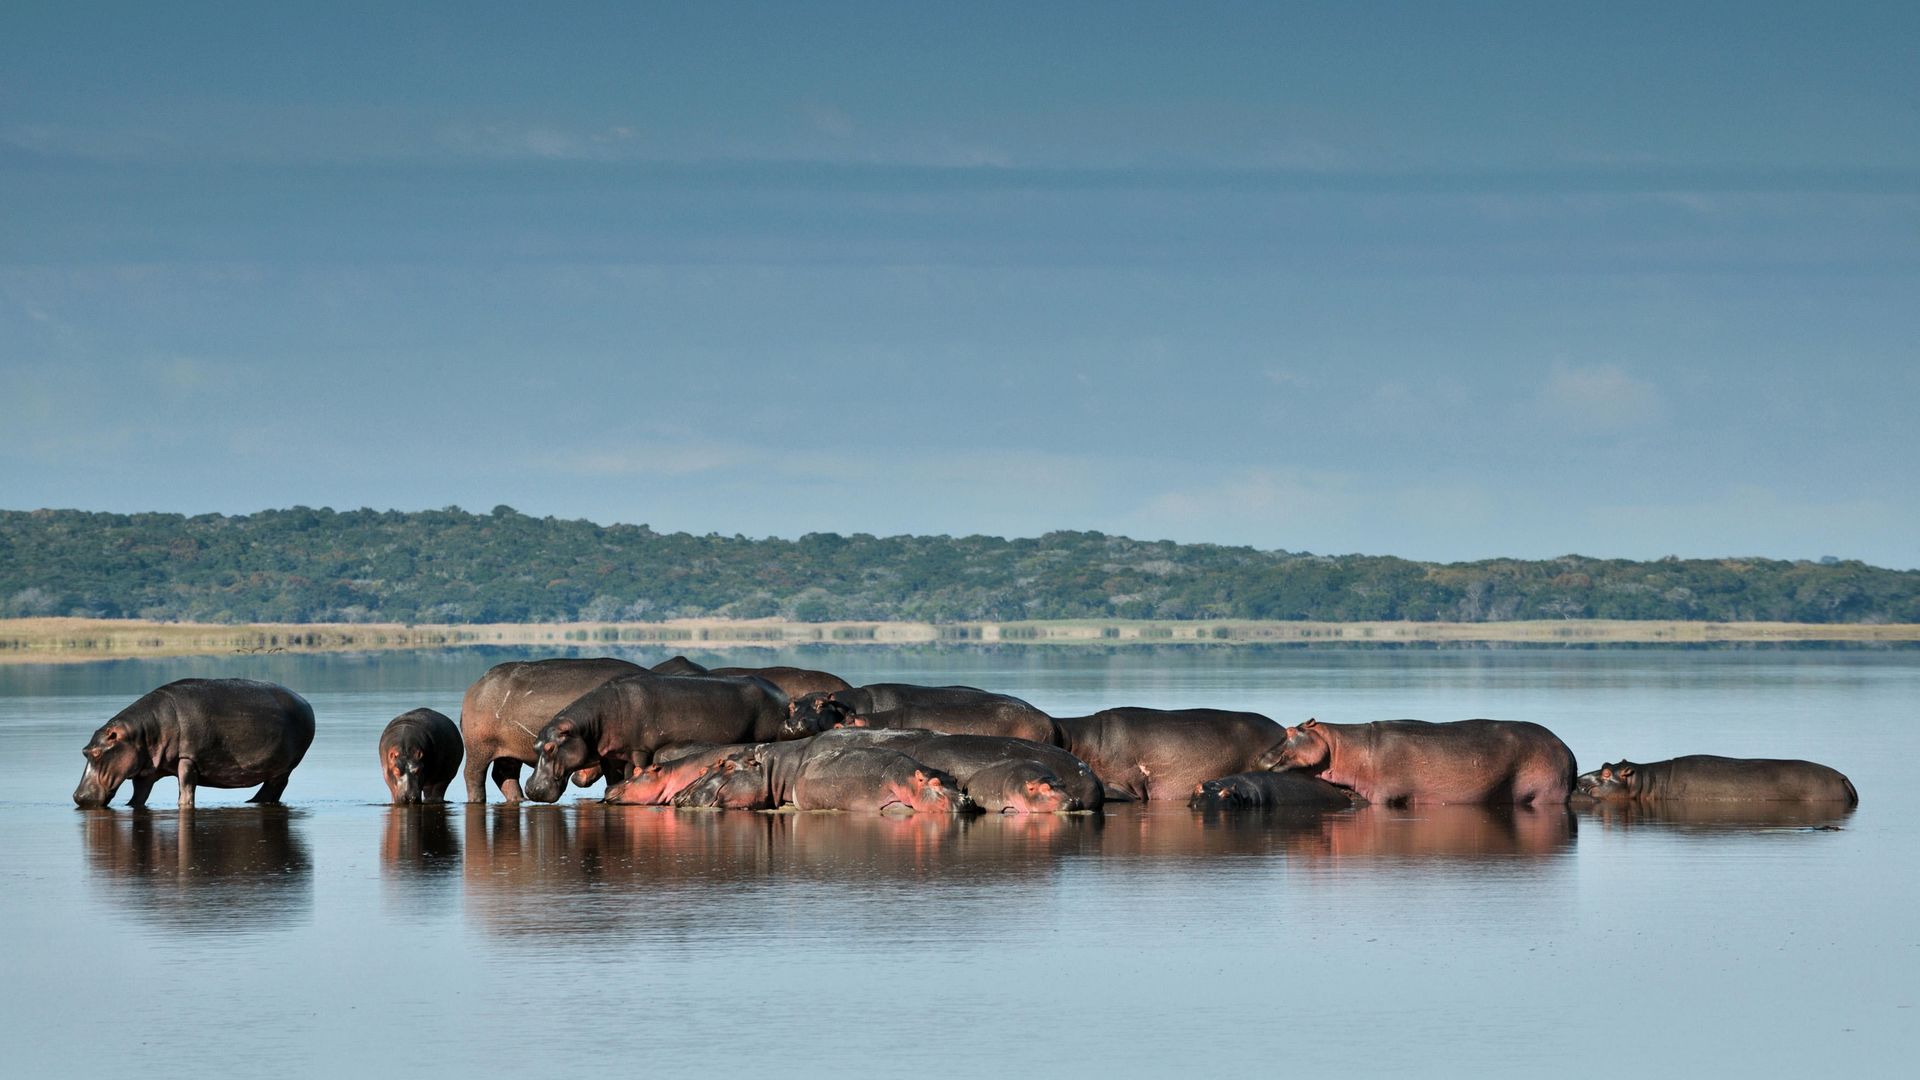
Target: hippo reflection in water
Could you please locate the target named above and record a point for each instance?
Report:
(210, 872)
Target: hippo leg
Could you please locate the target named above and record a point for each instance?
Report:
(142, 785)
(437, 792)
(506, 773)
(185, 775)
(269, 792)
(476, 773)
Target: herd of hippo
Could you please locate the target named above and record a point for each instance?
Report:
(764, 738)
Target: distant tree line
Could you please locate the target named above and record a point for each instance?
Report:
(306, 565)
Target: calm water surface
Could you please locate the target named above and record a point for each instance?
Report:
(336, 936)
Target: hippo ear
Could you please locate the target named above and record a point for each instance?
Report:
(1606, 772)
(1625, 773)
(1309, 724)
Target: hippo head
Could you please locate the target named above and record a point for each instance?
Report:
(738, 782)
(114, 754)
(560, 750)
(813, 713)
(810, 714)
(402, 766)
(930, 791)
(1040, 795)
(1304, 747)
(1614, 780)
(1020, 787)
(1214, 795)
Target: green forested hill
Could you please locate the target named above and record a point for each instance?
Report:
(304, 565)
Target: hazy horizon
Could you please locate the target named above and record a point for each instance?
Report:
(1441, 282)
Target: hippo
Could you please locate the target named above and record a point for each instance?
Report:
(1413, 762)
(849, 777)
(963, 756)
(1018, 787)
(508, 705)
(951, 710)
(1264, 790)
(669, 773)
(419, 755)
(678, 665)
(1706, 778)
(792, 681)
(1156, 754)
(224, 733)
(623, 723)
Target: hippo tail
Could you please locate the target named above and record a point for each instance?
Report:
(1853, 797)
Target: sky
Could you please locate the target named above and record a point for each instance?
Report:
(1444, 281)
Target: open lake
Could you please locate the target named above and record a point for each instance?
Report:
(337, 937)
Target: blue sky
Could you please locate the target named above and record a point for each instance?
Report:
(1443, 281)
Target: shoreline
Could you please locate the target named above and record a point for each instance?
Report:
(58, 640)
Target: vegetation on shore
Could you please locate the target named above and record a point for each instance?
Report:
(57, 639)
(451, 567)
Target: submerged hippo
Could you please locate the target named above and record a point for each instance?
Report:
(622, 724)
(1395, 762)
(506, 707)
(224, 733)
(1706, 778)
(1162, 754)
(1263, 790)
(419, 756)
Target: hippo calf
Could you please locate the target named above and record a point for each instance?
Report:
(1706, 778)
(1415, 762)
(223, 733)
(1260, 790)
(420, 754)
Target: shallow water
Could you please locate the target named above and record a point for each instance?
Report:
(337, 934)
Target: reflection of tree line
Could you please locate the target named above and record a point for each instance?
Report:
(589, 867)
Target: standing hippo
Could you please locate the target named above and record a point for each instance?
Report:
(1155, 754)
(620, 725)
(844, 777)
(1266, 790)
(419, 755)
(224, 733)
(951, 710)
(1705, 778)
(505, 708)
(1413, 762)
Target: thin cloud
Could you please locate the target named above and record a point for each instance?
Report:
(1599, 399)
